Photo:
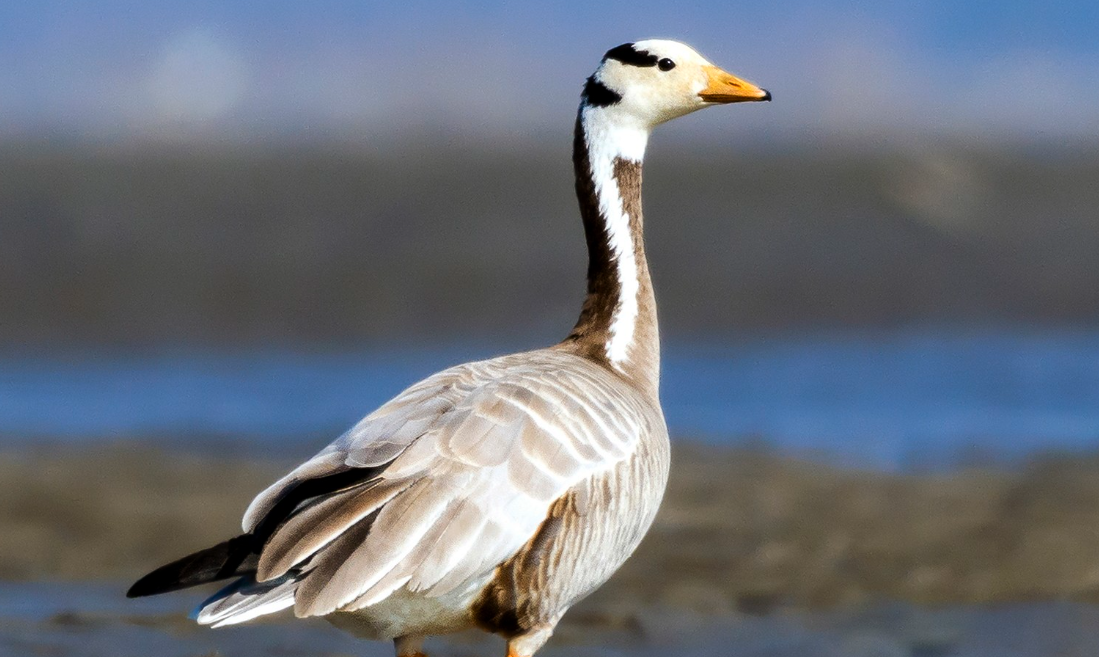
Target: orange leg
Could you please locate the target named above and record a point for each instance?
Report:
(409, 646)
(525, 645)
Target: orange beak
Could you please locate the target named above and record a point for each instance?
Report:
(725, 87)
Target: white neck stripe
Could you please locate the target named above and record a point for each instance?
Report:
(607, 142)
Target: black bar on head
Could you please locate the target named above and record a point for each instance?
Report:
(628, 54)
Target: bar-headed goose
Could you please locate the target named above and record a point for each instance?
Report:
(493, 494)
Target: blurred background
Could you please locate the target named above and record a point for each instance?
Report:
(228, 230)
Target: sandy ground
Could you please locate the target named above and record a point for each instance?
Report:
(740, 531)
(753, 554)
(93, 620)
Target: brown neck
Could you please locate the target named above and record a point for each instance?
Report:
(617, 326)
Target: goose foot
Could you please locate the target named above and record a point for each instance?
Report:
(409, 646)
(525, 645)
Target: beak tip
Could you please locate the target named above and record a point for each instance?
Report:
(766, 96)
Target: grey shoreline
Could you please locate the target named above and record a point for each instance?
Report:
(741, 531)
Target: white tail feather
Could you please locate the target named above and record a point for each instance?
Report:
(245, 600)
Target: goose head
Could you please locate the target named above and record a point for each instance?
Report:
(646, 83)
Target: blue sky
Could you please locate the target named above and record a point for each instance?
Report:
(120, 69)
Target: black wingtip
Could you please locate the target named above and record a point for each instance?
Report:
(151, 584)
(240, 556)
(231, 558)
(170, 577)
(144, 586)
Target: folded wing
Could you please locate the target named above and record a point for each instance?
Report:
(468, 464)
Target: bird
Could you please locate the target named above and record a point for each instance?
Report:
(494, 494)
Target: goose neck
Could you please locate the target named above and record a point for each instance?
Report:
(617, 325)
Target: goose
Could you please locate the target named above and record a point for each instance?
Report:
(494, 494)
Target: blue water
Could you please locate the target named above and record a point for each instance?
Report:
(881, 399)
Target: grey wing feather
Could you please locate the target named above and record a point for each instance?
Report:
(471, 461)
(376, 440)
(310, 529)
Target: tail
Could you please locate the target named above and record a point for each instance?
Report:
(246, 599)
(242, 600)
(238, 557)
(234, 558)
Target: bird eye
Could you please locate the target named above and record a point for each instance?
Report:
(666, 64)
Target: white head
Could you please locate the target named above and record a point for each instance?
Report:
(646, 83)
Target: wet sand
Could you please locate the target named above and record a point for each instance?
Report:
(93, 620)
(780, 552)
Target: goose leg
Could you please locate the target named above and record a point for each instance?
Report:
(526, 644)
(409, 646)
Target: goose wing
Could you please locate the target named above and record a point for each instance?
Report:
(459, 472)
